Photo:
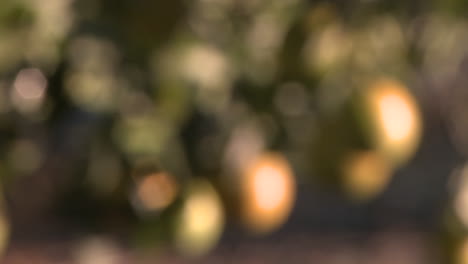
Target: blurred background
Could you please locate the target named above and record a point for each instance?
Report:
(231, 131)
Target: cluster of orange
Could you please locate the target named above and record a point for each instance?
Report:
(266, 194)
(265, 187)
(392, 124)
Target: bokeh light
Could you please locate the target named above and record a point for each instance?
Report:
(366, 174)
(268, 193)
(155, 192)
(29, 90)
(201, 220)
(92, 82)
(52, 23)
(395, 121)
(96, 250)
(328, 49)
